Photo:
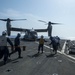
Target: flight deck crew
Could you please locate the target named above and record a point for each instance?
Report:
(55, 44)
(4, 51)
(41, 44)
(17, 45)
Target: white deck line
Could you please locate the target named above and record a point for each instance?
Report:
(63, 48)
(60, 52)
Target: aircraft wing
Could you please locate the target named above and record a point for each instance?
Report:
(23, 30)
(40, 30)
(19, 29)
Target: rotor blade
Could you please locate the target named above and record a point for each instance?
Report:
(3, 19)
(17, 19)
(42, 21)
(55, 23)
(12, 19)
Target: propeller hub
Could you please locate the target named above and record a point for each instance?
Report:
(49, 23)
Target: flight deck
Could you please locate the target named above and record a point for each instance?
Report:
(34, 64)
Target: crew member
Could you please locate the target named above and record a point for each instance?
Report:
(4, 51)
(17, 45)
(55, 44)
(41, 44)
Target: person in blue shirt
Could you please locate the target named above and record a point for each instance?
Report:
(55, 43)
(17, 45)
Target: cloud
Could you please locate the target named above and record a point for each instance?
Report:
(10, 13)
(13, 14)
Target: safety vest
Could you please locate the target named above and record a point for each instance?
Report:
(41, 41)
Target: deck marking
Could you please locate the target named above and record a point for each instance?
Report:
(63, 48)
(60, 52)
(71, 60)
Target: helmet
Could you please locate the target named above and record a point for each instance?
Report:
(41, 36)
(51, 38)
(18, 34)
(4, 33)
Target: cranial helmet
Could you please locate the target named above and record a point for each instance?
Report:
(41, 36)
(18, 34)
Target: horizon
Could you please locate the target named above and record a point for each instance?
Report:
(64, 38)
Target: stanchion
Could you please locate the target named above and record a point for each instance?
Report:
(24, 48)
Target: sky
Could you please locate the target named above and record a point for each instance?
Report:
(58, 11)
